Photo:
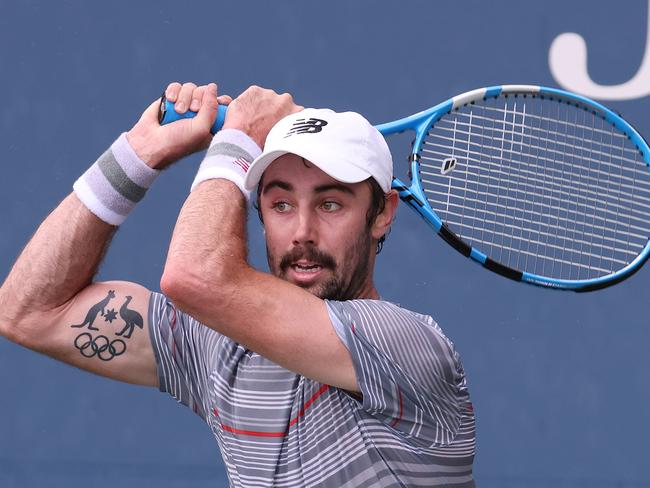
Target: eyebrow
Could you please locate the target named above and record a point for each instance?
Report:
(283, 185)
(334, 186)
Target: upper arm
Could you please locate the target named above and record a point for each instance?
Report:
(104, 329)
(274, 318)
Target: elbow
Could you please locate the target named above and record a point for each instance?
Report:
(177, 288)
(16, 330)
(20, 326)
(4, 328)
(174, 284)
(7, 321)
(188, 287)
(192, 287)
(13, 332)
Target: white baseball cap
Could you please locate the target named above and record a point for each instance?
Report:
(343, 145)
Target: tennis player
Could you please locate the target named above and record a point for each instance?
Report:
(305, 375)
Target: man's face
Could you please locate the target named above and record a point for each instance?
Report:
(317, 235)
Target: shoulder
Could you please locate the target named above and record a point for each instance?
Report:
(380, 314)
(397, 333)
(408, 371)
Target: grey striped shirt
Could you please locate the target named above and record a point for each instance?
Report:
(413, 427)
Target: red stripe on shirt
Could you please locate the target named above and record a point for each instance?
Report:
(401, 410)
(173, 326)
(292, 422)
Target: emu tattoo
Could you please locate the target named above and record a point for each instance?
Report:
(102, 346)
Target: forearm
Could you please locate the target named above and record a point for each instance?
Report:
(207, 273)
(65, 252)
(58, 262)
(208, 247)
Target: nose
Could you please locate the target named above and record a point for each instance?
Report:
(306, 231)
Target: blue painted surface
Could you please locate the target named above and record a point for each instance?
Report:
(559, 380)
(493, 91)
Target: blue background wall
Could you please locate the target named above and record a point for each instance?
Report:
(559, 380)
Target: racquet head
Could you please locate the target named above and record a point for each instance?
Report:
(536, 184)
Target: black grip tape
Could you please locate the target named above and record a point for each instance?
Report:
(502, 269)
(454, 241)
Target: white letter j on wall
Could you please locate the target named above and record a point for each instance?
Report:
(567, 59)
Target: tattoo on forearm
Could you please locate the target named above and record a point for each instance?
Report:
(101, 346)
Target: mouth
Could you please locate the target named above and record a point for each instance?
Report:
(306, 267)
(305, 273)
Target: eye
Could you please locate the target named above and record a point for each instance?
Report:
(330, 206)
(281, 207)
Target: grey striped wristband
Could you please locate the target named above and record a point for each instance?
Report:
(231, 153)
(118, 180)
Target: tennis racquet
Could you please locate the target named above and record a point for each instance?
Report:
(536, 184)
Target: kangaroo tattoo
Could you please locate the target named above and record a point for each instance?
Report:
(94, 310)
(131, 319)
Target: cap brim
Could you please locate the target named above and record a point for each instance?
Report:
(346, 173)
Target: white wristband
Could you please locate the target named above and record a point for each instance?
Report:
(118, 180)
(230, 154)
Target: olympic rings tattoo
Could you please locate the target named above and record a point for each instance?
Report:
(99, 346)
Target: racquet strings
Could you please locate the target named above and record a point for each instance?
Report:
(539, 185)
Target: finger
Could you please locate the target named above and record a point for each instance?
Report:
(197, 97)
(208, 112)
(184, 98)
(224, 99)
(172, 91)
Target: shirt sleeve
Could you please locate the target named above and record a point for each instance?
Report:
(184, 350)
(408, 372)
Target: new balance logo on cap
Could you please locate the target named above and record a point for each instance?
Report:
(306, 126)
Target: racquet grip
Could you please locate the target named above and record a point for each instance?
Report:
(167, 114)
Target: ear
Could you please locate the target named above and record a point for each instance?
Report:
(384, 220)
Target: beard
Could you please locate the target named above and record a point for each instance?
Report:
(347, 278)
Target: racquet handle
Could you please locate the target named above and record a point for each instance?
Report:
(167, 114)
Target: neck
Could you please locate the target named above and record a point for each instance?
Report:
(367, 289)
(371, 293)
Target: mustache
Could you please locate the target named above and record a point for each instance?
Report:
(308, 253)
